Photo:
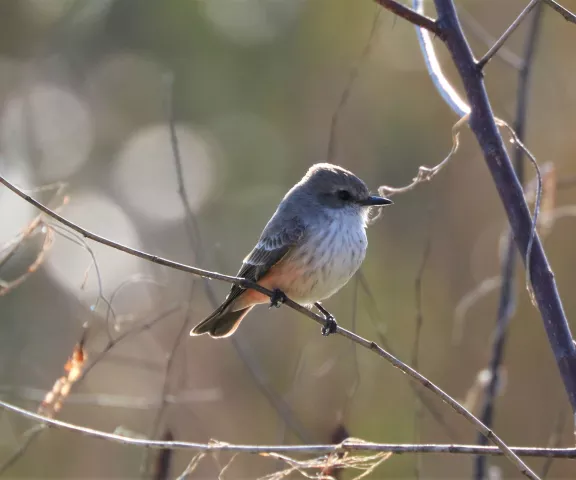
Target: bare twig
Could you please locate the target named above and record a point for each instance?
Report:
(161, 468)
(29, 437)
(416, 345)
(345, 95)
(181, 334)
(195, 238)
(317, 318)
(509, 31)
(6, 286)
(537, 201)
(469, 299)
(353, 388)
(412, 16)
(478, 30)
(192, 465)
(322, 467)
(484, 126)
(108, 400)
(567, 14)
(425, 174)
(377, 321)
(127, 334)
(131, 251)
(348, 445)
(54, 399)
(37, 225)
(372, 346)
(554, 441)
(507, 298)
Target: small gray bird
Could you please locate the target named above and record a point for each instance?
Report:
(310, 248)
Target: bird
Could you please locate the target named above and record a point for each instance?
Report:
(310, 248)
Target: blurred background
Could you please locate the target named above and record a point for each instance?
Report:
(88, 89)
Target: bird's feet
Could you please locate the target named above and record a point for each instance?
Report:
(278, 298)
(330, 325)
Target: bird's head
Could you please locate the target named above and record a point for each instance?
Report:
(338, 189)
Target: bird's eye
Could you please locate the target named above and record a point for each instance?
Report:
(344, 195)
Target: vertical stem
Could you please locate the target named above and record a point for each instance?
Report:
(507, 302)
(482, 123)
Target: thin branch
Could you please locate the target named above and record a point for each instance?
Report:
(131, 251)
(195, 238)
(483, 124)
(372, 346)
(567, 14)
(554, 441)
(425, 174)
(109, 400)
(193, 235)
(506, 307)
(509, 31)
(418, 411)
(113, 343)
(414, 17)
(351, 445)
(345, 95)
(376, 318)
(477, 29)
(29, 437)
(246, 354)
(178, 339)
(468, 300)
(163, 463)
(353, 388)
(443, 86)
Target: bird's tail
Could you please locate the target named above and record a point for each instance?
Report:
(222, 323)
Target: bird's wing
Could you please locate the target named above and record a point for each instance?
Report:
(272, 247)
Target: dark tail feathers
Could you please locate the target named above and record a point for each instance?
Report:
(221, 323)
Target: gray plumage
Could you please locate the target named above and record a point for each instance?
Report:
(310, 248)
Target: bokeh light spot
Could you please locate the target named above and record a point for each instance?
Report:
(146, 178)
(48, 127)
(68, 263)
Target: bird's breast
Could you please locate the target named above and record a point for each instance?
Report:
(326, 260)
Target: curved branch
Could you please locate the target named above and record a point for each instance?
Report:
(372, 346)
(444, 87)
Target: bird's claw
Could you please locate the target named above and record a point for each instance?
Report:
(330, 325)
(278, 298)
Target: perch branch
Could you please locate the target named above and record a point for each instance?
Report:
(372, 346)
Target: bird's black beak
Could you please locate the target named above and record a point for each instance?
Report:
(375, 201)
